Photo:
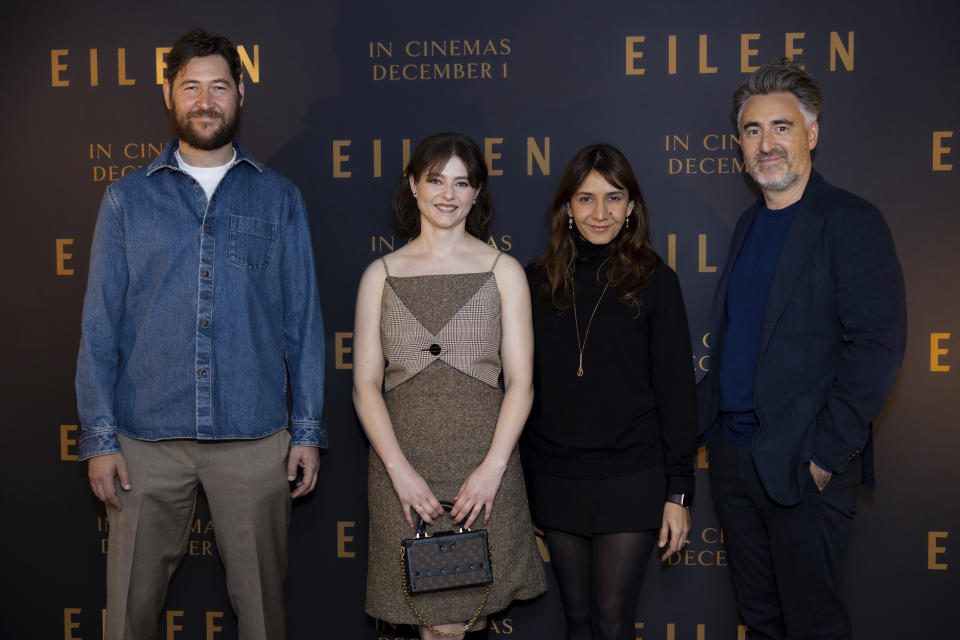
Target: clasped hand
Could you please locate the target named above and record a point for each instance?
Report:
(477, 492)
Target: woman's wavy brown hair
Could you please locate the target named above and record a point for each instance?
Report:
(429, 158)
(632, 257)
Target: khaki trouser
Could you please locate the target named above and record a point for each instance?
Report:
(246, 486)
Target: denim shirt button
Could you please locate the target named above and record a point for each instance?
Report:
(203, 373)
(203, 322)
(208, 227)
(206, 273)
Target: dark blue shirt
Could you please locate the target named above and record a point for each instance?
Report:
(746, 304)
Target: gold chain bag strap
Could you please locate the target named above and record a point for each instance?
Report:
(445, 560)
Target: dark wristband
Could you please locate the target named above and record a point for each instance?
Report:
(682, 499)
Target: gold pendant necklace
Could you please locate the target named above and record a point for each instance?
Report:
(582, 345)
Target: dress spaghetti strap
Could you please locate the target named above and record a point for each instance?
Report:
(384, 261)
(494, 265)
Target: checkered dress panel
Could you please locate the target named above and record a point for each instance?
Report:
(469, 342)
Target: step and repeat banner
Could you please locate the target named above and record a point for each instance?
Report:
(337, 95)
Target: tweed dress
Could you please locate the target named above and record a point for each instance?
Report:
(441, 340)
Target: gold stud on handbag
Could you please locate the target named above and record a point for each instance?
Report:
(445, 560)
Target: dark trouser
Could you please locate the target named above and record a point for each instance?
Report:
(786, 562)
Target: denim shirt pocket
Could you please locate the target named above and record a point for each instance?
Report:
(252, 241)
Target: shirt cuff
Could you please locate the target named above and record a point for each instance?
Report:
(680, 484)
(308, 433)
(97, 442)
(820, 463)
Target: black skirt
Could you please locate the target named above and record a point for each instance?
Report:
(588, 506)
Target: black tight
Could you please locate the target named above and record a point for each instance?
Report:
(599, 578)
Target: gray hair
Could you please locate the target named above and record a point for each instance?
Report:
(781, 76)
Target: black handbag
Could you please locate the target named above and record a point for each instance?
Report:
(445, 560)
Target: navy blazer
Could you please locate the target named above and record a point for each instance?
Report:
(833, 338)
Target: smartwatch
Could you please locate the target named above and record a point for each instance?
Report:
(682, 499)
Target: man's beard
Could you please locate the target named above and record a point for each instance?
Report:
(209, 139)
(782, 179)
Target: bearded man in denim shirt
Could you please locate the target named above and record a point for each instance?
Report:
(201, 317)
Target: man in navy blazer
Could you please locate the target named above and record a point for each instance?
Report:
(808, 330)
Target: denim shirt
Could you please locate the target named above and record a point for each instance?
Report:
(200, 318)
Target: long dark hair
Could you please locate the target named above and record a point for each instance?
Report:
(632, 258)
(428, 158)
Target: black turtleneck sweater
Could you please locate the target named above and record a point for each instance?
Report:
(635, 406)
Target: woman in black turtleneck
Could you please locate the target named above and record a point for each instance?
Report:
(609, 445)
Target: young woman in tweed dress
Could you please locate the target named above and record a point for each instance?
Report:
(436, 322)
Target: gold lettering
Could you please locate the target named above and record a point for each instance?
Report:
(672, 250)
(490, 156)
(340, 349)
(340, 158)
(69, 624)
(671, 631)
(252, 67)
(100, 151)
(379, 49)
(541, 157)
(172, 626)
(702, 458)
(717, 142)
(742, 631)
(63, 256)
(704, 66)
(712, 535)
(701, 632)
(343, 539)
(837, 49)
(161, 62)
(672, 55)
(380, 243)
(94, 69)
(377, 158)
(56, 67)
(703, 267)
(746, 52)
(122, 78)
(675, 142)
(939, 150)
(405, 144)
(212, 627)
(933, 550)
(936, 351)
(506, 242)
(638, 626)
(633, 54)
(200, 548)
(791, 51)
(544, 549)
(66, 430)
